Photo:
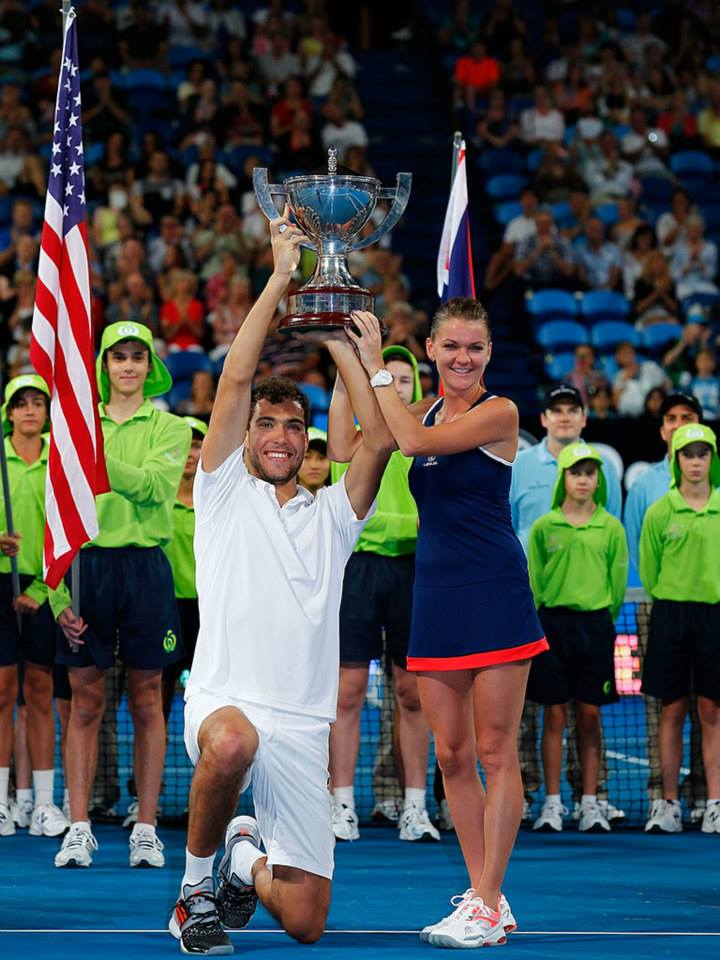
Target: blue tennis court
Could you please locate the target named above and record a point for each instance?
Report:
(623, 895)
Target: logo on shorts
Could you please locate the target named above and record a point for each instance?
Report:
(430, 461)
(169, 642)
(607, 687)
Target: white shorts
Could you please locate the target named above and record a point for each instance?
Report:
(289, 778)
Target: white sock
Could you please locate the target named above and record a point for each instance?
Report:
(43, 781)
(552, 798)
(23, 793)
(242, 860)
(415, 797)
(345, 795)
(66, 796)
(81, 825)
(4, 781)
(196, 869)
(143, 828)
(588, 798)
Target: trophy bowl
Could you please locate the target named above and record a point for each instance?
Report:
(331, 209)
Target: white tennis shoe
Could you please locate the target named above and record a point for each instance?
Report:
(48, 821)
(415, 825)
(665, 817)
(146, 849)
(344, 821)
(711, 818)
(551, 817)
(474, 924)
(21, 811)
(7, 824)
(509, 922)
(77, 848)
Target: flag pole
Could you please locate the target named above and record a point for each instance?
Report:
(457, 147)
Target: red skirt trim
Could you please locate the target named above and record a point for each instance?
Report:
(474, 660)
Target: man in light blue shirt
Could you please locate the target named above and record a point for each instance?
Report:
(533, 479)
(535, 469)
(676, 410)
(599, 263)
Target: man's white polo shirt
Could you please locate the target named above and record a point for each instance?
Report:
(269, 588)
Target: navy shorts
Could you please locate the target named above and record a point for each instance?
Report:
(580, 664)
(35, 641)
(377, 594)
(189, 614)
(127, 599)
(683, 655)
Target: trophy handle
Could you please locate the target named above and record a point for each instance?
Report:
(264, 193)
(399, 194)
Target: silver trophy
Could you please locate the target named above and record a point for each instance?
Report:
(331, 209)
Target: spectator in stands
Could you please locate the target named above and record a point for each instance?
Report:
(341, 133)
(400, 321)
(523, 226)
(497, 128)
(600, 404)
(105, 109)
(344, 95)
(542, 122)
(24, 256)
(679, 360)
(654, 299)
(185, 23)
(323, 69)
(635, 45)
(580, 212)
(158, 194)
(518, 71)
(126, 592)
(293, 100)
(217, 286)
(598, 261)
(136, 304)
(585, 376)
(476, 73)
(143, 42)
(627, 223)
(171, 234)
(21, 171)
(574, 96)
(227, 318)
(633, 380)
(705, 385)
(645, 147)
(709, 120)
(642, 242)
(278, 64)
(679, 124)
(211, 242)
(672, 224)
(21, 225)
(13, 112)
(578, 565)
(544, 259)
(27, 632)
(300, 148)
(196, 73)
(201, 398)
(502, 25)
(693, 262)
(182, 315)
(242, 116)
(556, 177)
(679, 569)
(610, 177)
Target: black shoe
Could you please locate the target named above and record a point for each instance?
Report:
(195, 921)
(236, 900)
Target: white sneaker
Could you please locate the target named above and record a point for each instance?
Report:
(665, 817)
(527, 812)
(386, 811)
(344, 822)
(591, 818)
(146, 849)
(711, 818)
(7, 824)
(415, 825)
(697, 813)
(48, 821)
(614, 815)
(551, 818)
(445, 820)
(473, 925)
(509, 922)
(77, 849)
(21, 812)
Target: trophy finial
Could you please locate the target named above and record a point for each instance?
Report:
(332, 161)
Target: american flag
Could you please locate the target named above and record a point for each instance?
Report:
(61, 348)
(455, 277)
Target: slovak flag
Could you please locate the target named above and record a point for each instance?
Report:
(455, 275)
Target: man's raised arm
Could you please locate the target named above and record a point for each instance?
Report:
(231, 410)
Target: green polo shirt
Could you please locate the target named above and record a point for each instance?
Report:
(27, 497)
(392, 530)
(145, 457)
(680, 549)
(180, 551)
(581, 567)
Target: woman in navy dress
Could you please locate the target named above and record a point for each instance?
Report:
(474, 626)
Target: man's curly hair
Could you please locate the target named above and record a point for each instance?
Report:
(278, 390)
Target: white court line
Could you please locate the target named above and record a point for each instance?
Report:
(517, 933)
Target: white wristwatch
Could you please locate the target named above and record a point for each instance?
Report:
(383, 378)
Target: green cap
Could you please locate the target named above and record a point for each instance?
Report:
(317, 436)
(197, 426)
(24, 382)
(571, 455)
(158, 380)
(694, 433)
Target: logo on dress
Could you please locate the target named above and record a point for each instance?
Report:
(430, 461)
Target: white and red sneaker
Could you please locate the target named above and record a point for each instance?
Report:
(475, 924)
(508, 920)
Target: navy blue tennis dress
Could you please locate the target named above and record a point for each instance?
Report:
(472, 603)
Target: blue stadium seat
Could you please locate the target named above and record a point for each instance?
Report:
(656, 190)
(505, 186)
(552, 304)
(505, 212)
(608, 213)
(710, 213)
(182, 56)
(94, 152)
(319, 420)
(534, 159)
(500, 161)
(6, 208)
(657, 337)
(558, 334)
(607, 334)
(599, 305)
(693, 162)
(702, 299)
(182, 364)
(319, 399)
(559, 365)
(561, 212)
(144, 78)
(178, 392)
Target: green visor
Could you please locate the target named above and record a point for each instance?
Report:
(24, 382)
(568, 458)
(158, 379)
(317, 439)
(694, 433)
(197, 426)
